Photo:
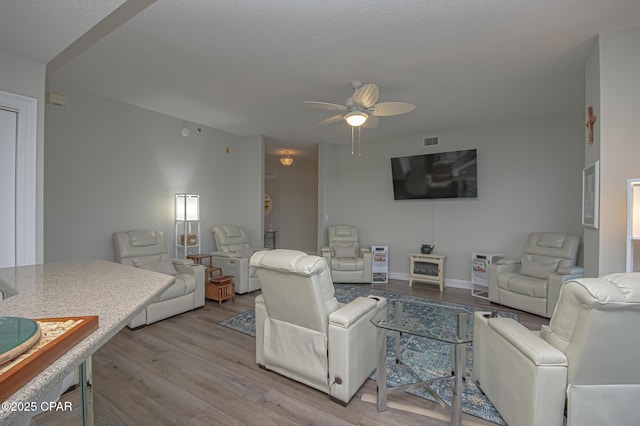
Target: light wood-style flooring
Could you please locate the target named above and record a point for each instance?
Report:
(189, 370)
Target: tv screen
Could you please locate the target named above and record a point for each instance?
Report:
(441, 175)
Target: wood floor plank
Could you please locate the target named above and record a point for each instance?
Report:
(190, 370)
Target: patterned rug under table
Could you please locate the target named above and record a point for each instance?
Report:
(427, 358)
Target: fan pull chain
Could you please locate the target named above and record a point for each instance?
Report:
(353, 141)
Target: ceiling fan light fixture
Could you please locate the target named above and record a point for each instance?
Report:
(356, 118)
(286, 160)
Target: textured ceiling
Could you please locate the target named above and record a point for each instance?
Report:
(39, 30)
(245, 67)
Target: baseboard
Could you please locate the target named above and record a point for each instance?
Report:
(448, 282)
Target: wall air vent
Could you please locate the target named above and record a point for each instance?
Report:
(432, 141)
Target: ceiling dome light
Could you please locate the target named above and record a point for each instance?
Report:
(356, 118)
(286, 160)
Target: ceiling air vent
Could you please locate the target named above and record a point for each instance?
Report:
(432, 141)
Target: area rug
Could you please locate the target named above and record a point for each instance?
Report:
(427, 358)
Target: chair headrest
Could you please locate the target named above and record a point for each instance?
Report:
(343, 233)
(551, 244)
(344, 230)
(291, 261)
(138, 244)
(232, 231)
(551, 239)
(620, 288)
(142, 238)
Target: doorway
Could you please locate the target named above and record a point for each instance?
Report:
(8, 144)
(18, 168)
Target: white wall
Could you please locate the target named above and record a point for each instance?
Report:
(110, 166)
(592, 154)
(27, 78)
(619, 61)
(530, 179)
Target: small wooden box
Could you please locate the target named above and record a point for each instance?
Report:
(192, 240)
(220, 289)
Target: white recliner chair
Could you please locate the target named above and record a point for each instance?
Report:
(532, 282)
(587, 356)
(232, 254)
(348, 262)
(303, 333)
(146, 249)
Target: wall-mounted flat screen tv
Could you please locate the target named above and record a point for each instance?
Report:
(451, 174)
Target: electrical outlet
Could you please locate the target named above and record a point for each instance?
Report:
(338, 380)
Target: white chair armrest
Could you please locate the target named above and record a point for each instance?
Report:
(506, 261)
(180, 261)
(530, 345)
(326, 253)
(186, 266)
(350, 313)
(578, 271)
(380, 301)
(522, 375)
(224, 254)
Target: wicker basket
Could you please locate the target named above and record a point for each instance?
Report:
(220, 288)
(192, 240)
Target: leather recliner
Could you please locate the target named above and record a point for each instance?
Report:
(588, 356)
(348, 262)
(146, 249)
(232, 254)
(303, 333)
(532, 283)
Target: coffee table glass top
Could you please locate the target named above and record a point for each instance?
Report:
(429, 320)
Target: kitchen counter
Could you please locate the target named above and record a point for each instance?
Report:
(115, 293)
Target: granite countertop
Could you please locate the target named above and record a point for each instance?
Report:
(115, 293)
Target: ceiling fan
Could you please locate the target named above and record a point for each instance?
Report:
(361, 108)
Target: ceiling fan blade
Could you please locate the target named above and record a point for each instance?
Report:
(366, 95)
(330, 120)
(385, 109)
(326, 106)
(371, 123)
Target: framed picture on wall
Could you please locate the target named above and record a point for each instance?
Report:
(590, 195)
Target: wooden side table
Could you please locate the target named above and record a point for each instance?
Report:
(220, 289)
(428, 268)
(209, 269)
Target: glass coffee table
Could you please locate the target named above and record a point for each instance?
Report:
(431, 321)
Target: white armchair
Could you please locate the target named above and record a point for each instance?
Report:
(532, 282)
(232, 254)
(348, 262)
(303, 333)
(146, 249)
(588, 356)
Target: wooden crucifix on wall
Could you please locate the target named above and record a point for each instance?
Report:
(590, 122)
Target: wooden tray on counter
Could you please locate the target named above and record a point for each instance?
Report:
(51, 346)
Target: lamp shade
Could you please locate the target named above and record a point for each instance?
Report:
(634, 200)
(356, 118)
(187, 207)
(286, 160)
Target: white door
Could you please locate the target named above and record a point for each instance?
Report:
(8, 142)
(19, 236)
